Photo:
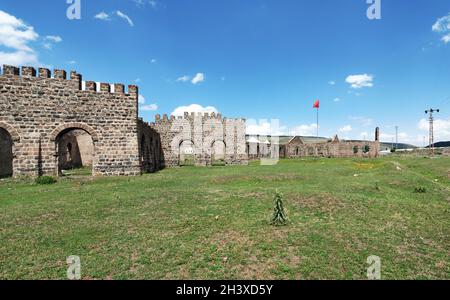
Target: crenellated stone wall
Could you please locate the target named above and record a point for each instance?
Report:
(36, 109)
(206, 139)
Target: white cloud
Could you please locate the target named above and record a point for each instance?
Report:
(360, 81)
(336, 99)
(446, 38)
(71, 62)
(441, 128)
(265, 128)
(179, 111)
(184, 78)
(54, 38)
(18, 58)
(141, 99)
(442, 26)
(304, 130)
(16, 35)
(200, 77)
(142, 3)
(153, 61)
(332, 82)
(102, 16)
(362, 120)
(149, 107)
(346, 129)
(125, 17)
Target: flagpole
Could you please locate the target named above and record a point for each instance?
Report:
(317, 122)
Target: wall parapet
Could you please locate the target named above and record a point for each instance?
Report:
(77, 79)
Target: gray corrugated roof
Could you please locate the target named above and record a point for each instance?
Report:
(283, 140)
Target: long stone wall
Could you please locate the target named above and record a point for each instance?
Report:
(36, 109)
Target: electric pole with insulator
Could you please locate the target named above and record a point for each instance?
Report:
(431, 134)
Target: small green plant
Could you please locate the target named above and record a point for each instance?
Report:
(279, 217)
(393, 150)
(45, 180)
(377, 186)
(355, 149)
(366, 148)
(420, 190)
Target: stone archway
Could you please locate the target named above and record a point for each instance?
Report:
(6, 154)
(75, 149)
(218, 149)
(187, 153)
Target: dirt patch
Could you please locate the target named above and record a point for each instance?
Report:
(322, 203)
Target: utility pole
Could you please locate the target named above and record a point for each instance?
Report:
(431, 134)
(396, 137)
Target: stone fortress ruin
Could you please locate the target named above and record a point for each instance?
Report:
(50, 124)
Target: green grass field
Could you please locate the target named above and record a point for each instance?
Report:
(213, 223)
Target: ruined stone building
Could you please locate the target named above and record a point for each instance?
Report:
(49, 124)
(201, 139)
(296, 147)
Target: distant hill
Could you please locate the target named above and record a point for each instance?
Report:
(388, 146)
(441, 144)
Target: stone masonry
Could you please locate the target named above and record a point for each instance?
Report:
(37, 110)
(206, 139)
(48, 124)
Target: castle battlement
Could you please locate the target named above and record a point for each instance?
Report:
(195, 116)
(75, 79)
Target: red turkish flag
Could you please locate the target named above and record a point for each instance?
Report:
(317, 104)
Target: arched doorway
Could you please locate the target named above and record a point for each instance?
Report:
(6, 154)
(75, 152)
(218, 153)
(187, 155)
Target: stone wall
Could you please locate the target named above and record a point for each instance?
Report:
(36, 108)
(6, 156)
(150, 151)
(200, 138)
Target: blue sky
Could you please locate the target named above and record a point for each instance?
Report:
(258, 59)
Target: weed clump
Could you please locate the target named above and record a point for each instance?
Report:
(42, 180)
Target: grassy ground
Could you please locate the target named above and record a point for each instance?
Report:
(213, 223)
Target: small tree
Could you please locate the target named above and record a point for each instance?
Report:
(279, 217)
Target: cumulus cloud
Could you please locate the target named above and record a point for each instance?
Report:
(346, 129)
(179, 111)
(16, 35)
(141, 99)
(441, 128)
(360, 81)
(125, 17)
(442, 26)
(332, 82)
(200, 77)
